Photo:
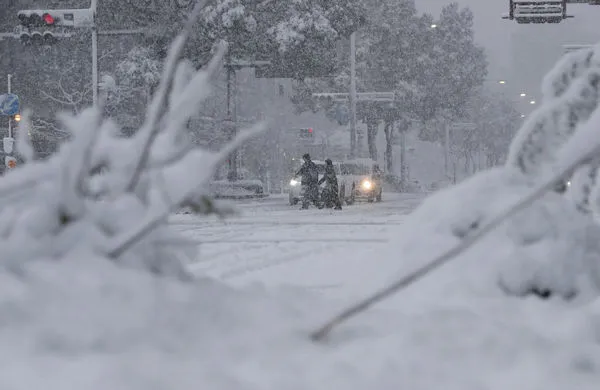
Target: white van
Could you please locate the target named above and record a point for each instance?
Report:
(360, 179)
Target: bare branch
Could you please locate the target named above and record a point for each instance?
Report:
(56, 100)
(158, 103)
(147, 226)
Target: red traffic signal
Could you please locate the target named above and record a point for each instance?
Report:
(30, 18)
(33, 22)
(48, 19)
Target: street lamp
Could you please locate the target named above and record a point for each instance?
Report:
(532, 102)
(434, 25)
(501, 82)
(522, 115)
(523, 94)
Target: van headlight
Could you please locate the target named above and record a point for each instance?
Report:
(366, 184)
(294, 182)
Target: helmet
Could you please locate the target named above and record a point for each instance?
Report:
(328, 161)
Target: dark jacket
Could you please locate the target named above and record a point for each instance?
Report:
(309, 173)
(329, 177)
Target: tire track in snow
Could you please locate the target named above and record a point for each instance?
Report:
(271, 262)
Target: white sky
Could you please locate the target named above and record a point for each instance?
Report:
(522, 54)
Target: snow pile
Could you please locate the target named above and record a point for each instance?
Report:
(93, 325)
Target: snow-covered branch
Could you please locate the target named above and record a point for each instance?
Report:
(109, 196)
(548, 247)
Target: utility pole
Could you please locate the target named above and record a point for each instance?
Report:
(10, 118)
(94, 54)
(353, 151)
(446, 149)
(403, 170)
(230, 119)
(95, 33)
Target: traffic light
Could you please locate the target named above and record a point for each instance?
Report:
(36, 27)
(45, 26)
(30, 18)
(78, 18)
(306, 132)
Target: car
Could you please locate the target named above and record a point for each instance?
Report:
(360, 179)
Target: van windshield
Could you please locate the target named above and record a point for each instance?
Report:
(355, 169)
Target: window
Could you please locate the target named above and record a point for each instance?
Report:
(354, 169)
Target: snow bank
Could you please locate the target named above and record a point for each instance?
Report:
(84, 323)
(237, 189)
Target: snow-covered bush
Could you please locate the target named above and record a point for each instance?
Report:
(555, 239)
(102, 195)
(549, 248)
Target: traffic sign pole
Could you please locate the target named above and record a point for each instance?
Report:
(9, 118)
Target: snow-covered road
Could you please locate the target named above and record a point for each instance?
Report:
(455, 327)
(273, 243)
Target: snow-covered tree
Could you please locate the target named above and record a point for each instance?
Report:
(454, 67)
(387, 61)
(496, 120)
(129, 88)
(138, 72)
(302, 29)
(431, 71)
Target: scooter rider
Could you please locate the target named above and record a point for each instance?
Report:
(331, 190)
(309, 174)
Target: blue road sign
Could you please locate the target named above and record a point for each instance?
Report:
(9, 104)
